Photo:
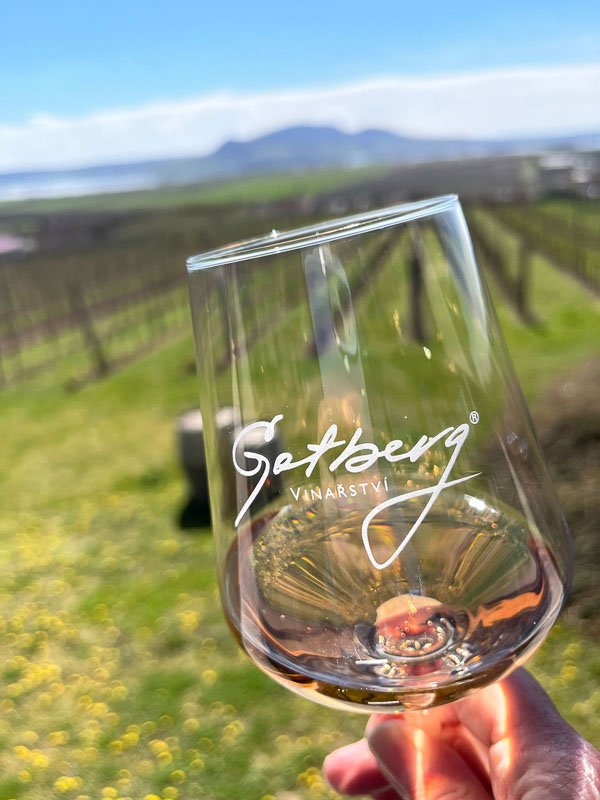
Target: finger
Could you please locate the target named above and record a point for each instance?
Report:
(517, 703)
(387, 793)
(418, 765)
(443, 723)
(533, 751)
(353, 770)
(435, 721)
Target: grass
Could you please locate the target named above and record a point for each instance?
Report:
(569, 317)
(118, 669)
(580, 212)
(120, 678)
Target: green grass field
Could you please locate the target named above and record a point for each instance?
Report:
(119, 676)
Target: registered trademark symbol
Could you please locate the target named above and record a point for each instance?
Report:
(474, 417)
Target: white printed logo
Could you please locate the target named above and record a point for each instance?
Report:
(356, 456)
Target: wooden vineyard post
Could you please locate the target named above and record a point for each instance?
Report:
(148, 299)
(14, 334)
(82, 318)
(415, 280)
(522, 281)
(514, 287)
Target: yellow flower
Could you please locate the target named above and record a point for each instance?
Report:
(572, 650)
(191, 725)
(303, 741)
(169, 547)
(188, 621)
(109, 792)
(101, 674)
(209, 676)
(177, 776)
(85, 701)
(58, 738)
(67, 783)
(130, 739)
(98, 710)
(90, 754)
(568, 673)
(164, 758)
(158, 746)
(170, 792)
(25, 775)
(119, 692)
(234, 728)
(22, 752)
(39, 760)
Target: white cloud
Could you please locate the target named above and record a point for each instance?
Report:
(507, 102)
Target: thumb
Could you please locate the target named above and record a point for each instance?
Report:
(533, 752)
(417, 765)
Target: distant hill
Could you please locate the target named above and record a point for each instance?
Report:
(288, 150)
(314, 147)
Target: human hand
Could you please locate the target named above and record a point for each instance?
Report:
(506, 742)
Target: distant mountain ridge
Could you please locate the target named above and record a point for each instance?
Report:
(310, 146)
(287, 150)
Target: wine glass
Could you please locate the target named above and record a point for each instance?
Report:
(387, 536)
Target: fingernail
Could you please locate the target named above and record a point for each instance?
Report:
(391, 743)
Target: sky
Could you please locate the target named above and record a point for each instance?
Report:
(113, 81)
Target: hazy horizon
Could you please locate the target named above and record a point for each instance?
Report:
(124, 83)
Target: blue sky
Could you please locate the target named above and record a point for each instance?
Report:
(67, 60)
(70, 57)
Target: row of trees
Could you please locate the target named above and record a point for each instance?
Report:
(88, 310)
(85, 309)
(572, 246)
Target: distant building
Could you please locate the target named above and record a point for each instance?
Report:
(570, 173)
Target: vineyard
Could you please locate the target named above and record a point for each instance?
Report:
(103, 288)
(119, 676)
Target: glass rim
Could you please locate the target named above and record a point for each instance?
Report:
(321, 233)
